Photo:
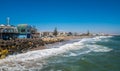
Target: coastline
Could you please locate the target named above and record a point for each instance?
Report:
(69, 48)
(66, 38)
(25, 45)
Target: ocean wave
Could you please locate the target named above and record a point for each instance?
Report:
(98, 48)
(98, 38)
(90, 48)
(32, 58)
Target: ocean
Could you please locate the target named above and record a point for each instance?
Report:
(100, 53)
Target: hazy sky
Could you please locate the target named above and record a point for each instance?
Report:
(66, 15)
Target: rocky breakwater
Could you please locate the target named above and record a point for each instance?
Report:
(9, 47)
(49, 40)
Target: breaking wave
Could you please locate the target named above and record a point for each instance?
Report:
(36, 59)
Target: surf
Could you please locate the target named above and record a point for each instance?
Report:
(33, 59)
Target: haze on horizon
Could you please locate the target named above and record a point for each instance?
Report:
(67, 15)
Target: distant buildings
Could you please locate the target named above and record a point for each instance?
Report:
(8, 31)
(62, 34)
(50, 34)
(46, 34)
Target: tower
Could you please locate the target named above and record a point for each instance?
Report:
(8, 21)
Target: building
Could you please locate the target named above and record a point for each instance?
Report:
(46, 34)
(27, 31)
(7, 31)
(62, 34)
(24, 31)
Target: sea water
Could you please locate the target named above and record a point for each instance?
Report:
(101, 53)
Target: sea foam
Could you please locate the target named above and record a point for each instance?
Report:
(37, 58)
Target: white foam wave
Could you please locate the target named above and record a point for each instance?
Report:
(76, 54)
(98, 38)
(92, 48)
(21, 61)
(32, 58)
(98, 48)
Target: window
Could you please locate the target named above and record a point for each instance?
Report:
(22, 30)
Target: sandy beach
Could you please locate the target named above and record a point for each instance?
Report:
(65, 38)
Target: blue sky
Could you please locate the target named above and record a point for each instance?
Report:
(66, 15)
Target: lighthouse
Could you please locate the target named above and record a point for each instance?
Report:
(8, 21)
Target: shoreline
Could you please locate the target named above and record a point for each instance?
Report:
(67, 38)
(18, 46)
(38, 55)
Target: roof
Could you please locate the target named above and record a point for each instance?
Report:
(2, 25)
(23, 26)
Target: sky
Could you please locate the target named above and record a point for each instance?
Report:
(97, 16)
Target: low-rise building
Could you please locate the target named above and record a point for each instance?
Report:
(8, 32)
(27, 31)
(46, 34)
(21, 31)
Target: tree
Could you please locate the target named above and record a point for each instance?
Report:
(55, 32)
(70, 33)
(88, 33)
